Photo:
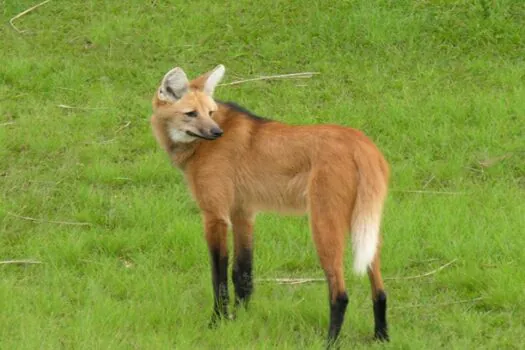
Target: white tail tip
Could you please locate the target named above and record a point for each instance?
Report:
(365, 236)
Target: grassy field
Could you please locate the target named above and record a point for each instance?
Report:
(439, 85)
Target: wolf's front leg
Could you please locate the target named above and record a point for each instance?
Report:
(243, 249)
(216, 232)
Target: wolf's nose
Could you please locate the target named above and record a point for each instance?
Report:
(216, 132)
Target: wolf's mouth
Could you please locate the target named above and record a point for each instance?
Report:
(200, 136)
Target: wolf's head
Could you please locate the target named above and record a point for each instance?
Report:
(186, 107)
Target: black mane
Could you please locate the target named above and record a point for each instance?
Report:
(245, 112)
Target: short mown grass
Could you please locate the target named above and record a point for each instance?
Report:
(438, 85)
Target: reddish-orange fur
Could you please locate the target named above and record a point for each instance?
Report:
(333, 173)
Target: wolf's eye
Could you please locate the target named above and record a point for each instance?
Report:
(191, 114)
(211, 113)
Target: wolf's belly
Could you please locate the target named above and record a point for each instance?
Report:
(281, 194)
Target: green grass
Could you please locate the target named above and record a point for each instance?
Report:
(439, 85)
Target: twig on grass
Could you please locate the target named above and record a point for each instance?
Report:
(5, 98)
(25, 13)
(46, 182)
(303, 75)
(429, 181)
(82, 108)
(105, 142)
(20, 262)
(474, 169)
(49, 221)
(6, 123)
(487, 163)
(424, 260)
(291, 281)
(302, 280)
(122, 127)
(438, 304)
(424, 274)
(108, 141)
(428, 192)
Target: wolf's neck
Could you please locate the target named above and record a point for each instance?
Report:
(181, 152)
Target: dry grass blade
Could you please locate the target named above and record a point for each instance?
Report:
(291, 281)
(6, 123)
(429, 192)
(487, 163)
(123, 178)
(83, 108)
(114, 139)
(424, 260)
(302, 280)
(271, 77)
(438, 304)
(122, 127)
(423, 275)
(49, 221)
(429, 181)
(20, 262)
(25, 13)
(105, 142)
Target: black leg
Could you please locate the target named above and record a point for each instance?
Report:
(242, 276)
(381, 329)
(220, 286)
(337, 315)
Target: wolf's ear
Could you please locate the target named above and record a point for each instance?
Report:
(213, 78)
(174, 85)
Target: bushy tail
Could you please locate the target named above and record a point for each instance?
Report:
(371, 194)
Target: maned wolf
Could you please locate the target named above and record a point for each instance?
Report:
(237, 164)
